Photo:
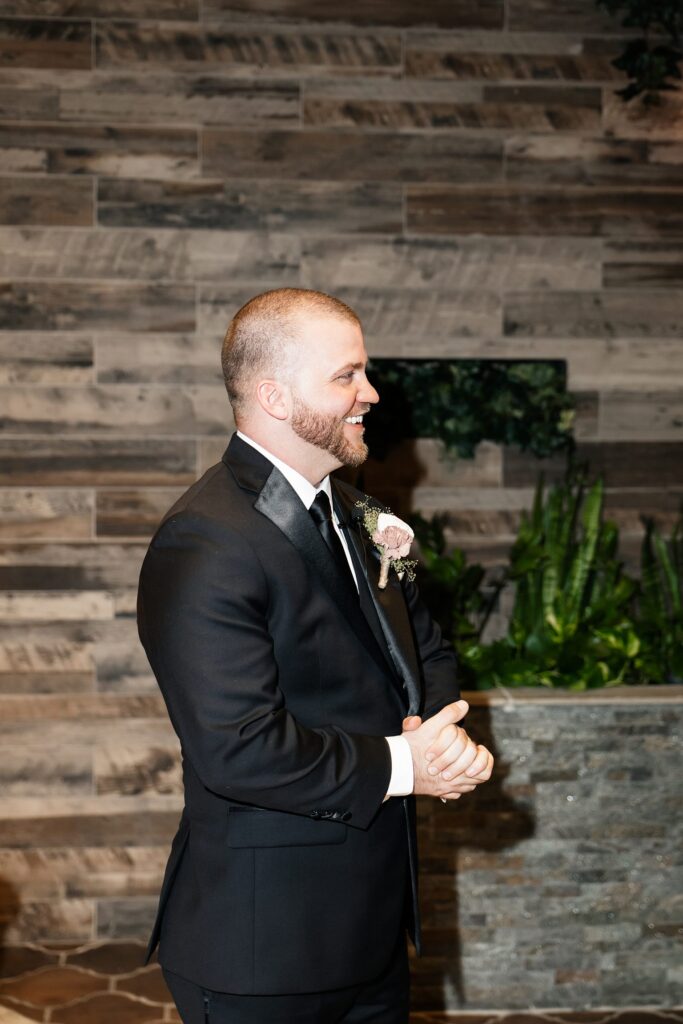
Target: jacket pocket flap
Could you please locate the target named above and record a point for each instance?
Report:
(273, 828)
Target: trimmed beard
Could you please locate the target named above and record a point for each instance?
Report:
(326, 432)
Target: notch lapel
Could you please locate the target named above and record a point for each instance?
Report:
(389, 604)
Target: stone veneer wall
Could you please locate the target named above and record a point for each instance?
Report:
(462, 173)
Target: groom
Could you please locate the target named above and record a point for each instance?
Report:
(310, 703)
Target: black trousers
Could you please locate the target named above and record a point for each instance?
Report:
(385, 1000)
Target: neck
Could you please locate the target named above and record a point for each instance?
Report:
(313, 463)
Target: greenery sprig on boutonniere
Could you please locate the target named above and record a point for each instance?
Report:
(392, 537)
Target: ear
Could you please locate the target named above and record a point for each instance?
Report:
(273, 398)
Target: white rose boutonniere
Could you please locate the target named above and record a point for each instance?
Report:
(392, 537)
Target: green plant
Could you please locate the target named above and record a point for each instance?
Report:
(463, 402)
(660, 605)
(571, 623)
(649, 65)
(458, 595)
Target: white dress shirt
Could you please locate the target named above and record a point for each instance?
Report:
(402, 780)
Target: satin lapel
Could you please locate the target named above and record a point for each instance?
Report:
(280, 503)
(391, 609)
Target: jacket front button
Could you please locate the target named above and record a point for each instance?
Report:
(315, 814)
(346, 816)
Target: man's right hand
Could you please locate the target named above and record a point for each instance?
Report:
(458, 753)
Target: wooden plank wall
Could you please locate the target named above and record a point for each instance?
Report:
(461, 173)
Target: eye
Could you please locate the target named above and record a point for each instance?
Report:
(346, 376)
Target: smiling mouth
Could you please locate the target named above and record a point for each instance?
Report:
(354, 420)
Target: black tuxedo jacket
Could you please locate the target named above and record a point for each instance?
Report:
(288, 872)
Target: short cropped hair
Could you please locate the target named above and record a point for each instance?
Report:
(262, 336)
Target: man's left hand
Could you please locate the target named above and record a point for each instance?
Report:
(466, 764)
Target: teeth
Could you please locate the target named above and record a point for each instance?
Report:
(353, 419)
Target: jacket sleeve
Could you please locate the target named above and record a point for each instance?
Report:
(437, 657)
(203, 620)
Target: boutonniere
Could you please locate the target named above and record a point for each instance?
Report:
(392, 537)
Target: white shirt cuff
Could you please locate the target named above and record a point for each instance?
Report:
(401, 782)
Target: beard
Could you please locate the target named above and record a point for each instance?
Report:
(327, 432)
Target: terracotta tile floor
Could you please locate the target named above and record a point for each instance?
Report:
(103, 983)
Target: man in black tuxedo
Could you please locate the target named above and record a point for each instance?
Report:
(310, 703)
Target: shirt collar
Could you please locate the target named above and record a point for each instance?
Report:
(301, 485)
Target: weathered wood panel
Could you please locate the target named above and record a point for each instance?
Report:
(549, 160)
(606, 314)
(119, 410)
(139, 254)
(572, 16)
(125, 513)
(349, 156)
(99, 149)
(252, 51)
(160, 358)
(318, 207)
(630, 463)
(39, 43)
(496, 210)
(470, 262)
(647, 265)
(531, 107)
(44, 305)
(641, 416)
(42, 358)
(173, 10)
(92, 461)
(399, 13)
(501, 56)
(434, 314)
(49, 201)
(171, 98)
(33, 515)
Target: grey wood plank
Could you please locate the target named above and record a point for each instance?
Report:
(84, 461)
(64, 565)
(271, 258)
(290, 52)
(30, 94)
(174, 10)
(99, 149)
(120, 410)
(349, 156)
(641, 415)
(45, 305)
(39, 357)
(147, 97)
(52, 772)
(507, 56)
(529, 108)
(131, 358)
(646, 265)
(66, 920)
(130, 770)
(92, 829)
(488, 263)
(55, 606)
(39, 514)
(39, 42)
(651, 363)
(578, 160)
(392, 313)
(46, 682)
(132, 513)
(400, 13)
(50, 201)
(572, 16)
(244, 205)
(524, 210)
(621, 313)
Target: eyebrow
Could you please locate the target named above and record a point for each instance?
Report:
(348, 366)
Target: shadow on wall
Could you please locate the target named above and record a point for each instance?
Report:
(10, 905)
(458, 839)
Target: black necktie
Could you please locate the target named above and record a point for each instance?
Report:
(321, 512)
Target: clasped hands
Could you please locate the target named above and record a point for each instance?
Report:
(446, 761)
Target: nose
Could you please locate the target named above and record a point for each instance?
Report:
(366, 392)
